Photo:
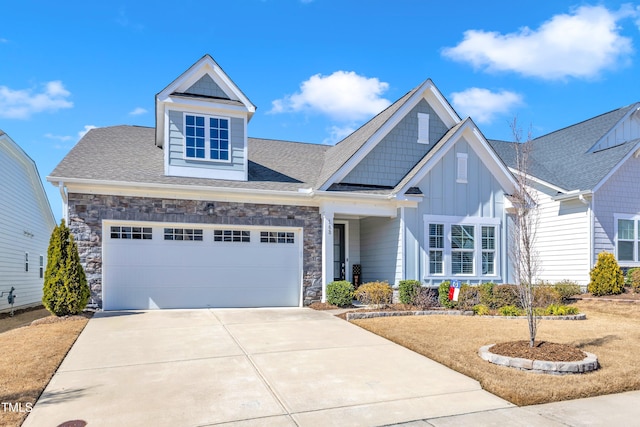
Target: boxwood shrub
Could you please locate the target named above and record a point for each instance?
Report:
(408, 291)
(340, 293)
(606, 276)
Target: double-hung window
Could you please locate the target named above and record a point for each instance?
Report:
(206, 138)
(628, 238)
(466, 247)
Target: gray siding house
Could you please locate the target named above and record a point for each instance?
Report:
(195, 213)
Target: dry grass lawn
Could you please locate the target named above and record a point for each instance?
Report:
(611, 331)
(30, 357)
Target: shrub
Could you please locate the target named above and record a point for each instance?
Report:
(545, 295)
(510, 310)
(340, 293)
(606, 276)
(443, 295)
(409, 290)
(65, 290)
(468, 297)
(427, 298)
(567, 289)
(505, 295)
(481, 310)
(375, 293)
(485, 291)
(635, 279)
(560, 310)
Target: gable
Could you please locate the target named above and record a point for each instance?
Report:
(206, 86)
(625, 130)
(398, 151)
(480, 194)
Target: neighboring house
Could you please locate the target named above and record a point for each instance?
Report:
(587, 181)
(195, 213)
(26, 223)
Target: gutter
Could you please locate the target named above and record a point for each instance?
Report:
(576, 194)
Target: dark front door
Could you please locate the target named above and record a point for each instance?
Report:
(339, 261)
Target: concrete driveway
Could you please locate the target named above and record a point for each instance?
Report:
(279, 367)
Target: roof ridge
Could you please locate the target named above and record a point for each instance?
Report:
(586, 120)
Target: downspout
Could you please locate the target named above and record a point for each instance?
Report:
(403, 246)
(65, 201)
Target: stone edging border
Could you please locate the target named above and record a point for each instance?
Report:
(373, 314)
(588, 364)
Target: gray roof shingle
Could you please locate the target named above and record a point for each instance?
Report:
(562, 158)
(128, 154)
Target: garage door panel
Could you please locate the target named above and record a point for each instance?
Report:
(158, 273)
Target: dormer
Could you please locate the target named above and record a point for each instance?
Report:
(201, 124)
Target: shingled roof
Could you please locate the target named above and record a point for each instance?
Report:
(563, 158)
(128, 154)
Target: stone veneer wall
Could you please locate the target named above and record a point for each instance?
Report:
(86, 212)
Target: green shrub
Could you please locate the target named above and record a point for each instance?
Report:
(443, 295)
(504, 295)
(485, 291)
(65, 290)
(567, 289)
(408, 291)
(340, 293)
(374, 293)
(481, 310)
(510, 310)
(606, 276)
(545, 295)
(560, 310)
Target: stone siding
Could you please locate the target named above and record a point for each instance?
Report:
(87, 211)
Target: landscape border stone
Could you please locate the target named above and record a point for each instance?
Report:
(588, 364)
(373, 314)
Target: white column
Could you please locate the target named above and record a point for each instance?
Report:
(327, 251)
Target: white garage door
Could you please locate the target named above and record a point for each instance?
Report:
(149, 266)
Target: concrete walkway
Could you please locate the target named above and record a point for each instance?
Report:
(246, 367)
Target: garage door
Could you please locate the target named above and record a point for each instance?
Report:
(150, 266)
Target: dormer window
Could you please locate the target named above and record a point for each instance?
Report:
(206, 138)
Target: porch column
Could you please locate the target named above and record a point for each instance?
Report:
(327, 251)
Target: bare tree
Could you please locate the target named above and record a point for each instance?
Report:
(522, 230)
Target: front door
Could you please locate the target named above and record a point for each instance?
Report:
(339, 261)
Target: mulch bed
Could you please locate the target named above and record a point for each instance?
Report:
(542, 350)
(20, 311)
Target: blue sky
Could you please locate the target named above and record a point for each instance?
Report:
(316, 69)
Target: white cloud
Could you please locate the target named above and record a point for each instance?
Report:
(86, 129)
(22, 103)
(137, 111)
(338, 133)
(580, 44)
(482, 105)
(343, 96)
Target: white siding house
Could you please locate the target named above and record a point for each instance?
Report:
(26, 222)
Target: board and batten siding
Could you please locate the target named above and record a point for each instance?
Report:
(380, 255)
(26, 223)
(480, 197)
(562, 239)
(619, 194)
(176, 145)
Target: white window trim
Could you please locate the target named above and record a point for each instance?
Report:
(478, 223)
(462, 168)
(207, 138)
(423, 128)
(636, 241)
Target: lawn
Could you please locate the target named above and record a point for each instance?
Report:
(30, 357)
(611, 332)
